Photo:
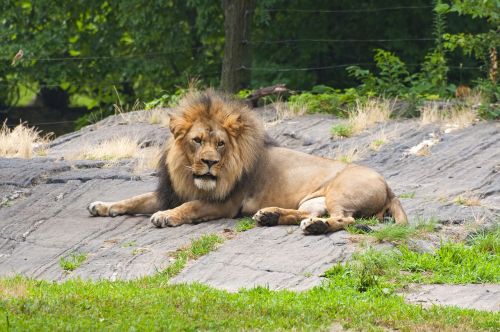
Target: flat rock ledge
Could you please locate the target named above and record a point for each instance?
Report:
(480, 297)
(43, 215)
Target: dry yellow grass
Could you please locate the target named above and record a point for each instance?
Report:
(22, 142)
(452, 116)
(366, 114)
(111, 150)
(147, 159)
(286, 111)
(349, 154)
(363, 116)
(122, 148)
(467, 201)
(158, 116)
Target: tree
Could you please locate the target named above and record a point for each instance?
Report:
(237, 25)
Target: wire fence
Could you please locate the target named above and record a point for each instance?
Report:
(359, 10)
(160, 56)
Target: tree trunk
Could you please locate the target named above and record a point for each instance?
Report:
(237, 26)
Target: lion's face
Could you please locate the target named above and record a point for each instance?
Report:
(215, 142)
(208, 144)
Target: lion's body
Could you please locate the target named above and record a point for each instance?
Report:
(220, 163)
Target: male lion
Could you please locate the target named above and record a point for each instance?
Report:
(220, 163)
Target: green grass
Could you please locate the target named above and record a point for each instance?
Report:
(72, 262)
(244, 224)
(361, 295)
(361, 221)
(129, 244)
(341, 130)
(377, 144)
(198, 247)
(410, 194)
(393, 233)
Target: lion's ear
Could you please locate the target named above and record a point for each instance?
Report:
(178, 126)
(233, 124)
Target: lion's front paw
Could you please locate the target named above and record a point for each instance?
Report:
(165, 218)
(266, 217)
(314, 226)
(100, 209)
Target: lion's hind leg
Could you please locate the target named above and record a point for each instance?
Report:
(273, 216)
(141, 204)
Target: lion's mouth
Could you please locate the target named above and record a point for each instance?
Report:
(206, 182)
(206, 176)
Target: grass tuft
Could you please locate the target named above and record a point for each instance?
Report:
(393, 233)
(111, 150)
(410, 194)
(22, 141)
(467, 201)
(342, 130)
(244, 225)
(453, 116)
(198, 247)
(72, 262)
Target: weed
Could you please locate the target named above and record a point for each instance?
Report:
(426, 225)
(244, 224)
(129, 244)
(195, 250)
(138, 251)
(467, 201)
(410, 194)
(393, 233)
(362, 225)
(348, 155)
(487, 241)
(342, 130)
(72, 262)
(452, 116)
(367, 113)
(22, 141)
(377, 144)
(111, 150)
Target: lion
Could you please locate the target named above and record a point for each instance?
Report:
(220, 163)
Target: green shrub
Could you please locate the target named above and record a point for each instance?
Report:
(341, 130)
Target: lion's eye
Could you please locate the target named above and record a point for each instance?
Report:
(221, 144)
(197, 140)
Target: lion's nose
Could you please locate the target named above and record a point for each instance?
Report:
(209, 162)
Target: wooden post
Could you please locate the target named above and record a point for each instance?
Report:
(237, 25)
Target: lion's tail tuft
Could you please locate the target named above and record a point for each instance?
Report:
(396, 209)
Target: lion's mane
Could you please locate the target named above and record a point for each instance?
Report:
(247, 140)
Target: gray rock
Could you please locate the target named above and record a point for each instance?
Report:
(274, 257)
(479, 297)
(43, 213)
(421, 246)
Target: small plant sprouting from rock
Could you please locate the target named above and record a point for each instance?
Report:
(244, 225)
(362, 226)
(129, 244)
(72, 262)
(342, 130)
(467, 201)
(410, 194)
(198, 247)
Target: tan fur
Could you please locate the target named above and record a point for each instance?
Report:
(220, 165)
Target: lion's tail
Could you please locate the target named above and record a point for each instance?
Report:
(396, 209)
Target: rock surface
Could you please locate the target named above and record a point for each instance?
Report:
(479, 297)
(43, 201)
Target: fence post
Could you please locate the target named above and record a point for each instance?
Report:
(237, 26)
